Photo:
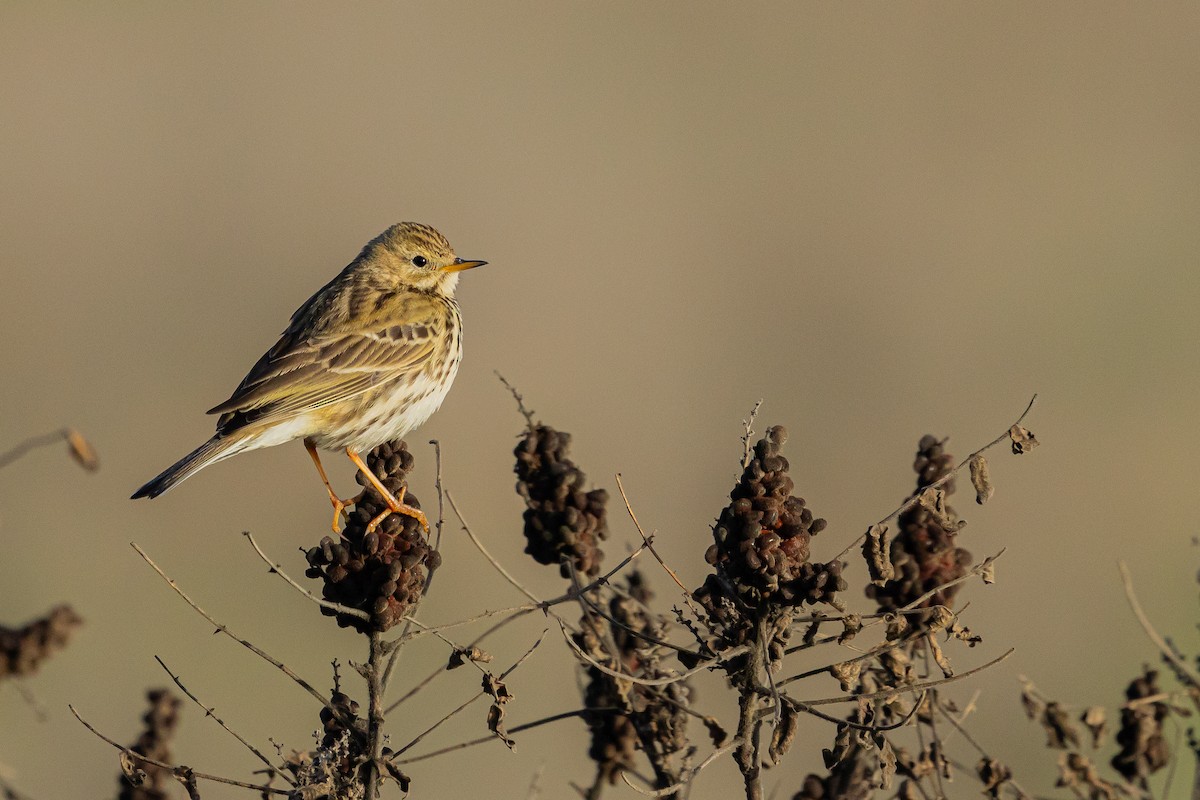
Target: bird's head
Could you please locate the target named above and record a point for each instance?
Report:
(420, 257)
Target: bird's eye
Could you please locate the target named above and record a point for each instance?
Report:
(420, 261)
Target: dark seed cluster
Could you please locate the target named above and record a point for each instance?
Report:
(1143, 748)
(381, 572)
(332, 770)
(22, 650)
(631, 717)
(154, 742)
(762, 538)
(924, 552)
(561, 519)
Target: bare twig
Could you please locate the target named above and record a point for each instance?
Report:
(725, 656)
(211, 712)
(479, 546)
(32, 443)
(646, 540)
(748, 434)
(1168, 652)
(253, 648)
(511, 731)
(278, 570)
(525, 412)
(392, 756)
(852, 698)
(264, 789)
(912, 501)
(691, 774)
(802, 706)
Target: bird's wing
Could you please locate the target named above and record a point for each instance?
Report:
(333, 352)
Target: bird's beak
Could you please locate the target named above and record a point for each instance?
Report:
(459, 265)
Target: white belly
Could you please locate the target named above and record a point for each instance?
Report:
(391, 416)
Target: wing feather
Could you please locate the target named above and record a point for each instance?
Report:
(315, 364)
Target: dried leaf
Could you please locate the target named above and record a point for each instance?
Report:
(981, 480)
(899, 666)
(852, 624)
(715, 731)
(887, 764)
(896, 625)
(847, 673)
(994, 775)
(1022, 440)
(398, 776)
(842, 745)
(81, 450)
(461, 656)
(1076, 771)
(784, 733)
(933, 500)
(129, 766)
(939, 618)
(1060, 733)
(1095, 719)
(963, 634)
(1030, 701)
(936, 650)
(496, 688)
(877, 553)
(810, 634)
(988, 572)
(495, 723)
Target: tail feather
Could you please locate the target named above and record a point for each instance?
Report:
(210, 452)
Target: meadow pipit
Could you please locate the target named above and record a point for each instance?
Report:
(367, 359)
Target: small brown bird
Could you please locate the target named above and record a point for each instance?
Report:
(366, 360)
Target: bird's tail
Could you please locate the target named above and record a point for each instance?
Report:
(210, 452)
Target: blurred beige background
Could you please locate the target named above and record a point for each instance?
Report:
(885, 221)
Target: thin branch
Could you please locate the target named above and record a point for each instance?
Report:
(916, 497)
(853, 698)
(802, 706)
(1180, 665)
(957, 725)
(174, 769)
(211, 712)
(392, 756)
(511, 731)
(525, 412)
(748, 434)
(253, 648)
(278, 570)
(971, 573)
(479, 546)
(32, 443)
(691, 774)
(728, 654)
(646, 539)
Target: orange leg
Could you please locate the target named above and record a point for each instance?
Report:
(394, 506)
(339, 505)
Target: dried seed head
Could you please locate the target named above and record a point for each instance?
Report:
(383, 572)
(561, 520)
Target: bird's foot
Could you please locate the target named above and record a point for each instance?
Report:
(339, 509)
(398, 506)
